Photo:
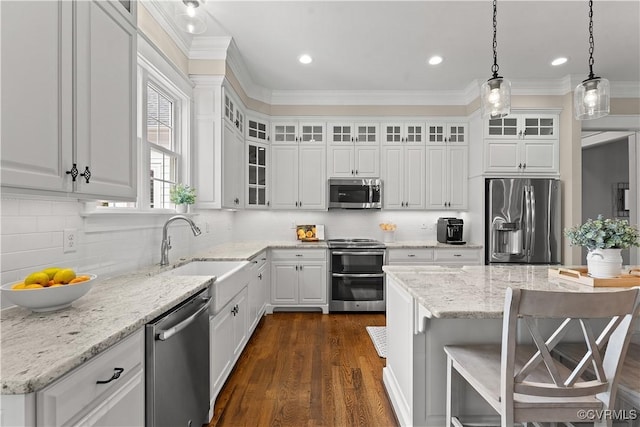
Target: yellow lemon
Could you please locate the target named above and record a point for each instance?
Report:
(64, 276)
(51, 271)
(18, 286)
(79, 279)
(34, 286)
(37, 278)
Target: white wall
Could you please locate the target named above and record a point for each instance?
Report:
(31, 237)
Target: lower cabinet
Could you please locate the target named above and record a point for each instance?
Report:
(228, 331)
(435, 256)
(258, 288)
(78, 399)
(299, 279)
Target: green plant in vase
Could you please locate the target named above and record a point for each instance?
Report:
(604, 239)
(182, 195)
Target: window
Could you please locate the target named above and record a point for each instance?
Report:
(160, 139)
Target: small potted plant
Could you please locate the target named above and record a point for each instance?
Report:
(604, 239)
(182, 195)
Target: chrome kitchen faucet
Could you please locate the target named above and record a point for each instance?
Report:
(166, 240)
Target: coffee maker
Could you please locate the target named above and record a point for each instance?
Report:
(450, 231)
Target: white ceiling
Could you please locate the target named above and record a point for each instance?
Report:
(384, 45)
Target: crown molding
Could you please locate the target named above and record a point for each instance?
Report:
(385, 97)
(159, 12)
(210, 47)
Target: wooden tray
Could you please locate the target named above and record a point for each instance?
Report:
(579, 275)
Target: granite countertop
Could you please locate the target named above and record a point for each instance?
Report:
(474, 291)
(38, 348)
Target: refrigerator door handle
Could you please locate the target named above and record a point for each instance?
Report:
(532, 215)
(527, 221)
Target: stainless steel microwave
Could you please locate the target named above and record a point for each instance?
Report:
(355, 193)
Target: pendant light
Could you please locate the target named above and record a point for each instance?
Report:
(495, 93)
(188, 19)
(591, 97)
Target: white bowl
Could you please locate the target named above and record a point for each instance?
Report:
(47, 299)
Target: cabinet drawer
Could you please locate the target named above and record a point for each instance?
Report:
(299, 254)
(457, 255)
(259, 260)
(77, 391)
(420, 255)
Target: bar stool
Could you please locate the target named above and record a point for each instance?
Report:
(523, 383)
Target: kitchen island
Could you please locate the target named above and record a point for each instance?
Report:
(429, 307)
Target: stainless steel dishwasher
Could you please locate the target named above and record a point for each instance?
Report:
(177, 365)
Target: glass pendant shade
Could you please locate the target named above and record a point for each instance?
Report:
(495, 98)
(591, 99)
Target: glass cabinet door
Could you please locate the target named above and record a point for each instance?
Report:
(257, 196)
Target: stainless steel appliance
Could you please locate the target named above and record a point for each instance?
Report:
(450, 231)
(355, 193)
(523, 221)
(177, 365)
(357, 279)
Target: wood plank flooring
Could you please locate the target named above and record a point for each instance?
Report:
(307, 369)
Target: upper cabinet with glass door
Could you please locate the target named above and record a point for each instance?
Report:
(401, 133)
(233, 114)
(523, 126)
(257, 129)
(447, 133)
(293, 131)
(354, 150)
(257, 196)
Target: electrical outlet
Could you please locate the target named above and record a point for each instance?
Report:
(293, 225)
(206, 227)
(69, 240)
(423, 226)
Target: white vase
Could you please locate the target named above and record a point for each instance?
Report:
(604, 263)
(182, 208)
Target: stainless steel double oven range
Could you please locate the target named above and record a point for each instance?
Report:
(357, 279)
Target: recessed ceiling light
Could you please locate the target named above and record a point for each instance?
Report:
(305, 59)
(559, 61)
(435, 60)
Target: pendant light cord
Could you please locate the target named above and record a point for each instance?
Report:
(591, 76)
(495, 67)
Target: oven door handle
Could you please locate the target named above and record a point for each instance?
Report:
(168, 333)
(358, 253)
(357, 274)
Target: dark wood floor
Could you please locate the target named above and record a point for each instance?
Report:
(307, 369)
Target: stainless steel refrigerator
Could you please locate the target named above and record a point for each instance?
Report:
(523, 221)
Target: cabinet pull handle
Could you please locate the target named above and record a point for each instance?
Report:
(73, 172)
(356, 171)
(352, 172)
(86, 174)
(255, 261)
(116, 374)
(260, 276)
(519, 165)
(268, 203)
(296, 204)
(236, 201)
(298, 254)
(457, 254)
(296, 268)
(524, 166)
(411, 255)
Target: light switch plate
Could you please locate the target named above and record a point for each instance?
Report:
(69, 240)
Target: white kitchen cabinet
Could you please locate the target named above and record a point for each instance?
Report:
(522, 156)
(450, 133)
(233, 148)
(447, 176)
(257, 175)
(77, 398)
(523, 126)
(411, 133)
(454, 256)
(229, 334)
(69, 98)
(293, 131)
(257, 130)
(353, 150)
(298, 176)
(410, 256)
(298, 279)
(258, 289)
(403, 176)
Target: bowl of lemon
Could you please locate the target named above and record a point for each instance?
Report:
(50, 289)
